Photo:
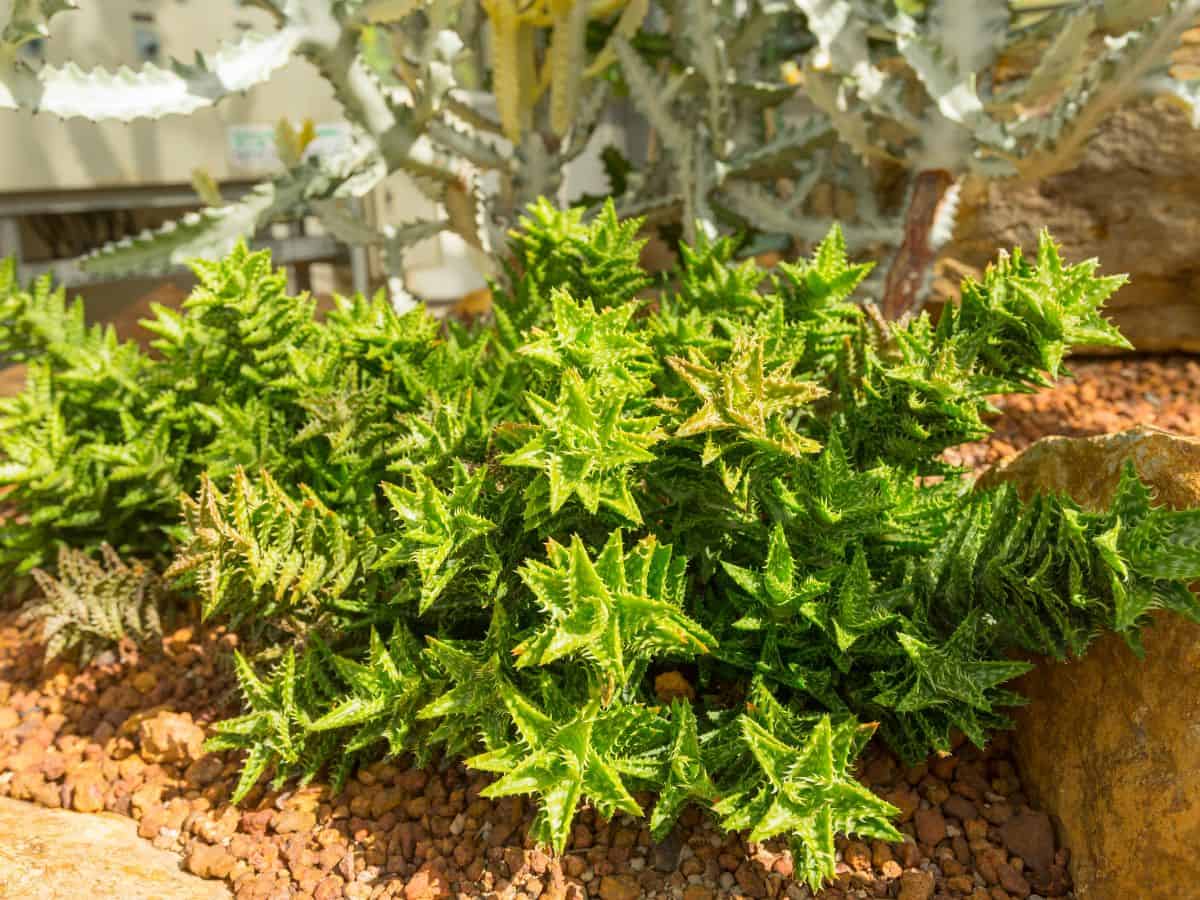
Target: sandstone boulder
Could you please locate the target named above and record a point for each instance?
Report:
(52, 853)
(1107, 744)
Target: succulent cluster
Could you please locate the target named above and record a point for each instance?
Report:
(491, 541)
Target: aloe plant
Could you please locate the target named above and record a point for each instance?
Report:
(487, 541)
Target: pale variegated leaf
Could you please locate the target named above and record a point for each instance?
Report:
(152, 91)
(651, 97)
(1130, 63)
(29, 21)
(1063, 59)
(208, 234)
(214, 231)
(627, 26)
(385, 11)
(1185, 93)
(971, 31)
(565, 61)
(467, 145)
(706, 46)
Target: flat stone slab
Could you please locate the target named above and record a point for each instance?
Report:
(53, 854)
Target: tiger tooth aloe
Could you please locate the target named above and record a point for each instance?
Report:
(487, 541)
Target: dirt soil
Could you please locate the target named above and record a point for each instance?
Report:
(124, 735)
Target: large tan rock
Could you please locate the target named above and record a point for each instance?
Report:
(1133, 202)
(1089, 468)
(1108, 744)
(52, 854)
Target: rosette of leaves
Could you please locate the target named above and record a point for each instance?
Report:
(488, 540)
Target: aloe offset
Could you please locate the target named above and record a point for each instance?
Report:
(487, 541)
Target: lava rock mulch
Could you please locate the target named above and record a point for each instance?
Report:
(1106, 395)
(125, 734)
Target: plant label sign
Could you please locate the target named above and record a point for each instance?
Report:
(252, 146)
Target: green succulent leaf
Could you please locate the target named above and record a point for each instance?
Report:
(437, 527)
(686, 778)
(740, 395)
(584, 446)
(611, 611)
(556, 759)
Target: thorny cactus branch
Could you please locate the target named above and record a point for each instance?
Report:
(925, 86)
(1133, 64)
(967, 120)
(934, 197)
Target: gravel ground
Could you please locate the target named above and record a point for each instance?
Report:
(1106, 395)
(125, 735)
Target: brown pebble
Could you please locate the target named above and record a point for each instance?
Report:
(1030, 835)
(997, 813)
(87, 794)
(151, 823)
(290, 821)
(573, 865)
(961, 884)
(210, 861)
(619, 887)
(960, 808)
(1013, 881)
(976, 829)
(672, 685)
(908, 854)
(170, 738)
(931, 826)
(429, 883)
(906, 800)
(916, 885)
(988, 862)
(857, 856)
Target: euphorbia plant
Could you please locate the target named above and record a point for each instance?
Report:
(488, 541)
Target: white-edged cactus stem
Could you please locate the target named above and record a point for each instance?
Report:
(212, 232)
(151, 92)
(1134, 64)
